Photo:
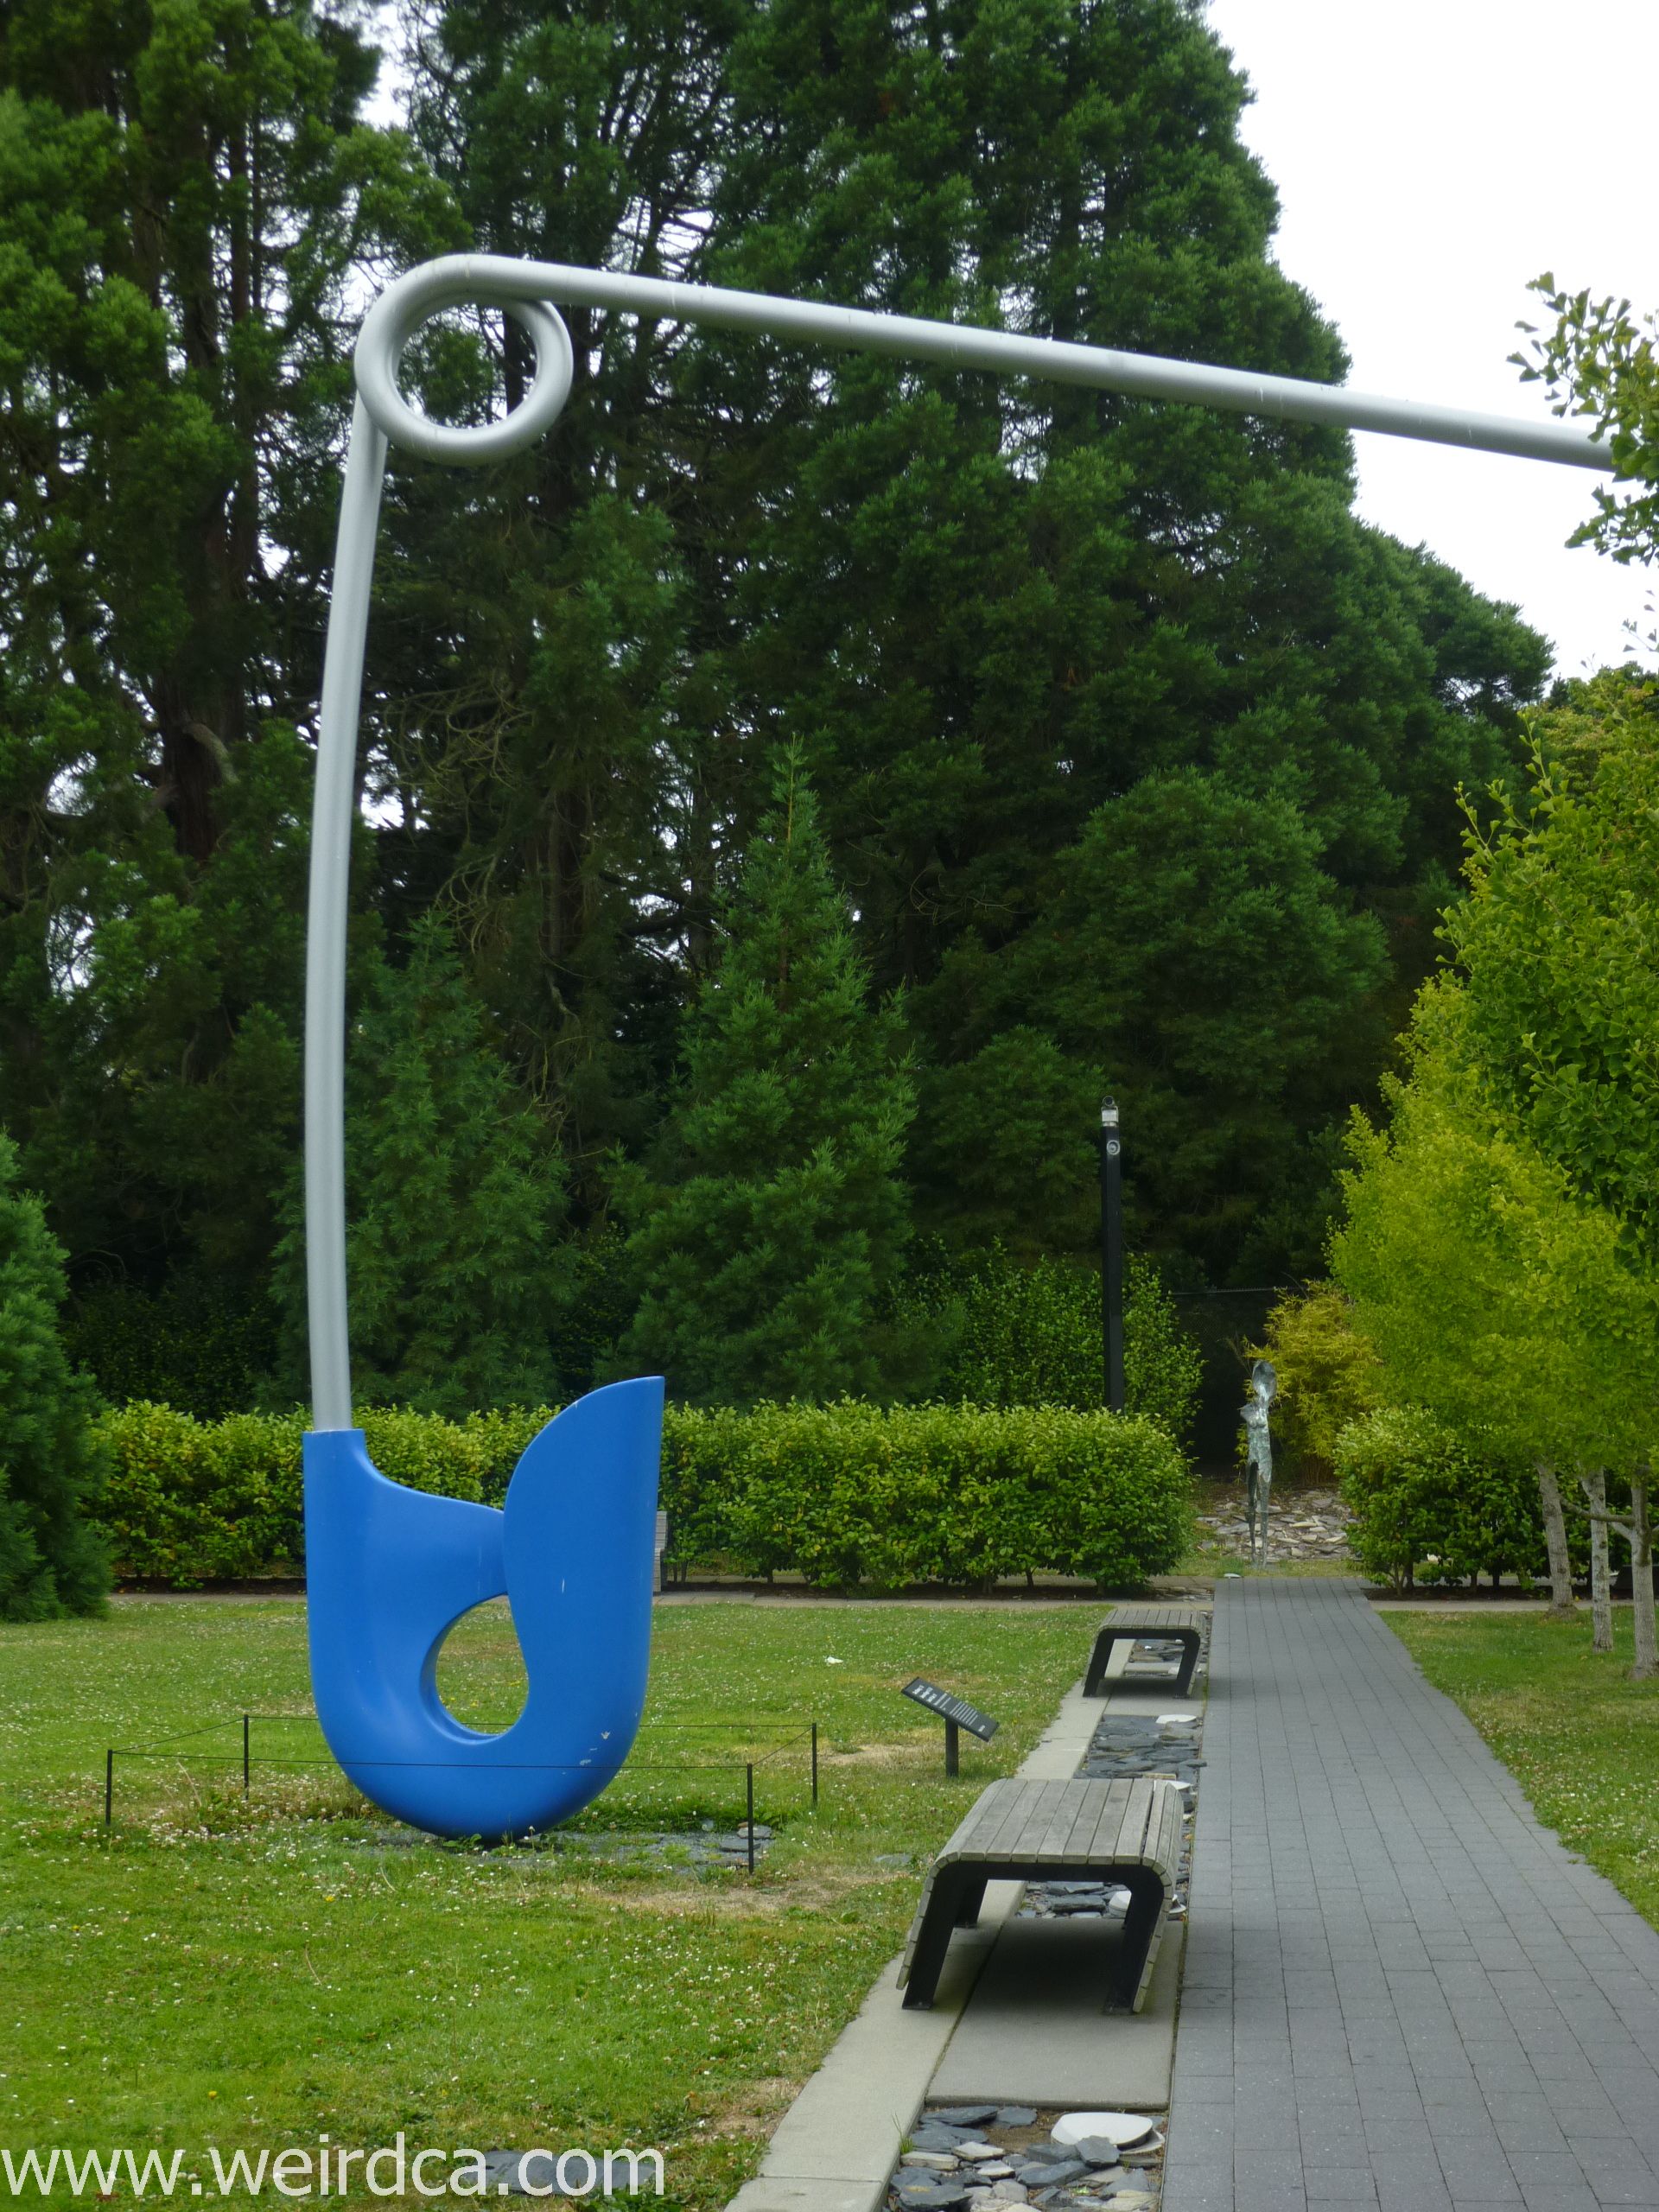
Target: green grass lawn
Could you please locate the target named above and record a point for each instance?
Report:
(1579, 1736)
(258, 1973)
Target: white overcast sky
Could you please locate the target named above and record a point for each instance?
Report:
(1430, 158)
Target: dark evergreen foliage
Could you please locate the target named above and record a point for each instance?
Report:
(1135, 750)
(767, 1247)
(191, 1345)
(52, 1560)
(456, 1200)
(191, 197)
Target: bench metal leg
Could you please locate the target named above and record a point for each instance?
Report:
(973, 1896)
(1190, 1639)
(1148, 1896)
(1094, 1680)
(952, 1890)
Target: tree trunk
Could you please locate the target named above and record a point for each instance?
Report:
(1647, 1644)
(1601, 1585)
(1561, 1567)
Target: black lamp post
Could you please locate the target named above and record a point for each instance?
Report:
(1111, 1251)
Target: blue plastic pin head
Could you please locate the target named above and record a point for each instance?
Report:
(390, 1571)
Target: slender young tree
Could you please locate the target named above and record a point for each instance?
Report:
(1593, 1483)
(768, 1237)
(1496, 1294)
(1559, 947)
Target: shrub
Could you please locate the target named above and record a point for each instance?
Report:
(1432, 1506)
(498, 1438)
(1030, 1335)
(1163, 1368)
(188, 1501)
(853, 1493)
(51, 1557)
(703, 1451)
(153, 1506)
(193, 1345)
(844, 1494)
(1327, 1373)
(427, 1452)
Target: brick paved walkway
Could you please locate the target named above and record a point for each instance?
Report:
(1399, 1990)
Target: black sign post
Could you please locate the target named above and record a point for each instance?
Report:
(1111, 1252)
(955, 1712)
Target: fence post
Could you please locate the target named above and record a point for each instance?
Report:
(246, 1762)
(815, 1765)
(108, 1784)
(748, 1783)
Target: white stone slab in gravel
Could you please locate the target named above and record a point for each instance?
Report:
(1120, 2127)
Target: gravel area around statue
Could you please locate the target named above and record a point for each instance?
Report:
(1301, 1524)
(704, 1847)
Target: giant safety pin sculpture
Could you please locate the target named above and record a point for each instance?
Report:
(390, 1570)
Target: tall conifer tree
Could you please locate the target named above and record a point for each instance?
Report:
(52, 1560)
(455, 1202)
(995, 609)
(189, 191)
(776, 1224)
(999, 608)
(557, 747)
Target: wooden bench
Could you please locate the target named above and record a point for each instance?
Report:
(1165, 1624)
(1129, 1833)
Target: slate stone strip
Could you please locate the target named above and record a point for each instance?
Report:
(1399, 1991)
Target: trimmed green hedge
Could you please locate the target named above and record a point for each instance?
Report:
(854, 1493)
(843, 1494)
(1432, 1506)
(189, 1501)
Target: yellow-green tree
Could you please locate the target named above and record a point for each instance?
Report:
(1327, 1370)
(1497, 1294)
